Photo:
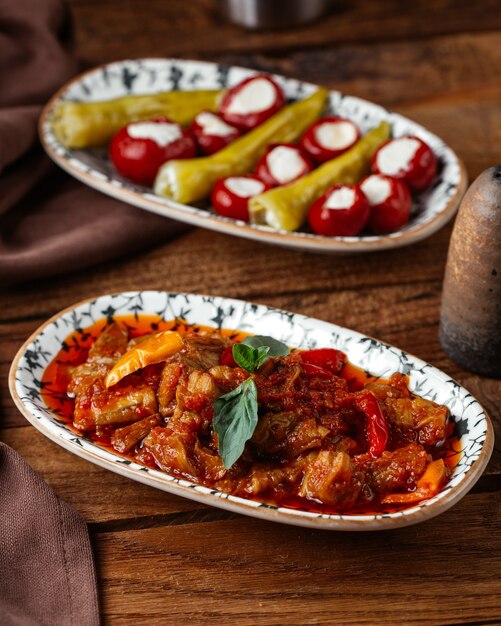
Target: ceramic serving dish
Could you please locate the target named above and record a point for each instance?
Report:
(472, 425)
(431, 209)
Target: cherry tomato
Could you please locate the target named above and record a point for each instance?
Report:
(230, 196)
(226, 357)
(325, 359)
(251, 102)
(283, 163)
(408, 158)
(342, 211)
(140, 148)
(329, 137)
(212, 133)
(390, 202)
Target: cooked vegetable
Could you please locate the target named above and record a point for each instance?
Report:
(378, 431)
(154, 349)
(342, 211)
(286, 207)
(140, 148)
(408, 158)
(192, 179)
(226, 357)
(92, 124)
(327, 359)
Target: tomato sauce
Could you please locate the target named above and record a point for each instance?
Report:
(75, 351)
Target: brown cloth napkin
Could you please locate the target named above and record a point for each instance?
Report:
(47, 575)
(50, 223)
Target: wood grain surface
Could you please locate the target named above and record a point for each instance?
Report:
(165, 560)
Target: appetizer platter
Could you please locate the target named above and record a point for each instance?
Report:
(252, 409)
(263, 157)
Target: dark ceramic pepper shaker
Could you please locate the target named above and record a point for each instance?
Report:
(470, 323)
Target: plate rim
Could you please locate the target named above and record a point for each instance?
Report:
(170, 209)
(241, 505)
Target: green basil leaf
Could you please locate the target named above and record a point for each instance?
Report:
(235, 419)
(276, 348)
(244, 356)
(261, 355)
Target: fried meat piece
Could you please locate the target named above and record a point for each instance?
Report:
(116, 406)
(172, 450)
(263, 479)
(110, 344)
(202, 352)
(171, 375)
(287, 435)
(331, 477)
(124, 439)
(395, 470)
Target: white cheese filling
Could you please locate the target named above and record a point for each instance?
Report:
(376, 189)
(285, 164)
(244, 187)
(397, 155)
(257, 95)
(161, 133)
(340, 199)
(335, 135)
(213, 125)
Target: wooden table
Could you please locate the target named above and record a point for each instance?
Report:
(164, 560)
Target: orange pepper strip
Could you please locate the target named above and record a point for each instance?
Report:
(154, 349)
(427, 486)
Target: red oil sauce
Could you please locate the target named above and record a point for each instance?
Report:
(76, 347)
(75, 351)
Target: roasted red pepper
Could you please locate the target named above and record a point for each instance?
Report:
(378, 431)
(226, 357)
(325, 358)
(313, 370)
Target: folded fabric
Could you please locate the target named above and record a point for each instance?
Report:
(47, 572)
(50, 223)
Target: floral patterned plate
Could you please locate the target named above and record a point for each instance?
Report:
(432, 208)
(472, 425)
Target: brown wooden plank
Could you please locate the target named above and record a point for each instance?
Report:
(451, 68)
(206, 262)
(111, 30)
(249, 572)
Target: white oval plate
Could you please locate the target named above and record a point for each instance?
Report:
(473, 426)
(432, 208)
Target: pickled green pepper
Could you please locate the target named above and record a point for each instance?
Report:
(286, 207)
(189, 180)
(93, 124)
